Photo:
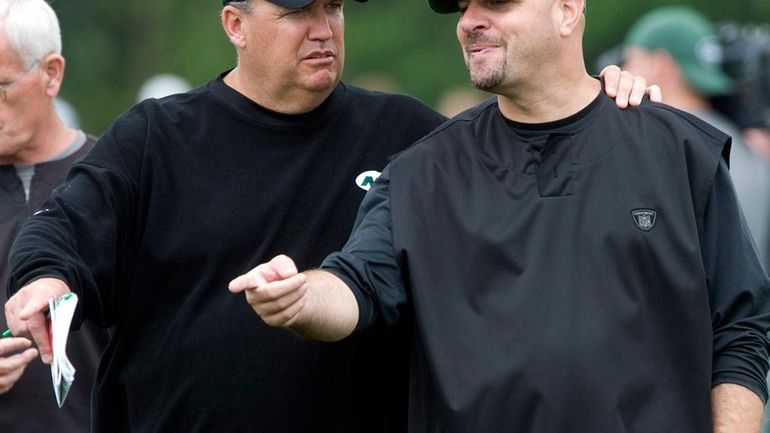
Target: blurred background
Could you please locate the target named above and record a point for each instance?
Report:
(113, 48)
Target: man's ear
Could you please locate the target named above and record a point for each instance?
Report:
(572, 14)
(53, 67)
(232, 22)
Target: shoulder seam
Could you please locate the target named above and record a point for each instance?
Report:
(684, 116)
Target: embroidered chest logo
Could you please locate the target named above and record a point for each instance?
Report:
(366, 179)
(644, 218)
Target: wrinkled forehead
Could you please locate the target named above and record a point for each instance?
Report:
(290, 4)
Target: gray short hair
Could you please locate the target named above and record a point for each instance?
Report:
(32, 29)
(244, 5)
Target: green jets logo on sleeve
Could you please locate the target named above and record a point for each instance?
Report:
(366, 179)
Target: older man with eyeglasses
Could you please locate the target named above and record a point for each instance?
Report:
(5, 88)
(36, 151)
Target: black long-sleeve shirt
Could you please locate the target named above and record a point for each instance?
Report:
(185, 193)
(593, 274)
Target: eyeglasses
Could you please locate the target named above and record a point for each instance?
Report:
(5, 88)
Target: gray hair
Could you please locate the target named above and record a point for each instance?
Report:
(244, 5)
(32, 29)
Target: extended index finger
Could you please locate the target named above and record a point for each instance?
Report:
(252, 279)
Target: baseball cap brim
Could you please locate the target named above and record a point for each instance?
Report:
(291, 4)
(444, 6)
(711, 82)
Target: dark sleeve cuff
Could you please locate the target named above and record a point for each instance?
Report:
(344, 268)
(16, 285)
(759, 387)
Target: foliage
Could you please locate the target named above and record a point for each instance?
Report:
(112, 47)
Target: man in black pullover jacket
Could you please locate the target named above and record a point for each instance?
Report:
(182, 194)
(568, 266)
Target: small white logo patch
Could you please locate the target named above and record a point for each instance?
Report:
(366, 179)
(644, 218)
(708, 52)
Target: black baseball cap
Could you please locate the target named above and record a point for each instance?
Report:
(444, 6)
(291, 4)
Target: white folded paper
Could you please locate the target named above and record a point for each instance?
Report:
(61, 311)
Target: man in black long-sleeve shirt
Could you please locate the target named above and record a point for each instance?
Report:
(570, 266)
(182, 194)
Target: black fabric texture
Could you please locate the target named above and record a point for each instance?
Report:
(610, 294)
(185, 193)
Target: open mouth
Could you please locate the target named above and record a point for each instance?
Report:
(479, 48)
(320, 55)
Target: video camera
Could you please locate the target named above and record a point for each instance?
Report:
(746, 58)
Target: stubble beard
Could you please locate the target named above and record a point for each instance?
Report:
(487, 77)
